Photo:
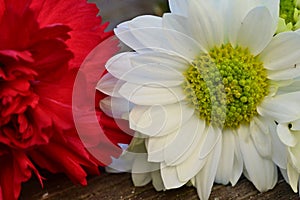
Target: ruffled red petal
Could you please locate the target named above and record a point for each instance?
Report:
(66, 155)
(86, 32)
(15, 169)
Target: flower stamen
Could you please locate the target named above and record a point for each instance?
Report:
(226, 85)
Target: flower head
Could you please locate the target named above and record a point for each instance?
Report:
(42, 47)
(205, 83)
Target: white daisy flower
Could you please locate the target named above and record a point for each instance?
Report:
(289, 15)
(203, 84)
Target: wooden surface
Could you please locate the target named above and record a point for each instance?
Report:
(119, 186)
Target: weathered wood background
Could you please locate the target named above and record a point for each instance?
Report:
(119, 186)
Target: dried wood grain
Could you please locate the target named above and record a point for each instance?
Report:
(119, 186)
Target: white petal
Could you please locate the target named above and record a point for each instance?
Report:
(262, 172)
(262, 124)
(293, 176)
(273, 7)
(141, 165)
(280, 87)
(145, 21)
(284, 174)
(141, 179)
(285, 135)
(294, 152)
(238, 11)
(160, 120)
(205, 178)
(122, 164)
(296, 125)
(120, 64)
(213, 136)
(110, 85)
(257, 21)
(227, 158)
(233, 19)
(187, 170)
(244, 133)
(282, 108)
(115, 107)
(170, 177)
(193, 181)
(122, 31)
(151, 94)
(192, 165)
(156, 154)
(206, 25)
(285, 74)
(280, 152)
(162, 40)
(179, 7)
(186, 141)
(142, 170)
(261, 137)
(153, 73)
(237, 168)
(132, 68)
(156, 146)
(161, 59)
(291, 86)
(282, 52)
(157, 181)
(176, 22)
(294, 158)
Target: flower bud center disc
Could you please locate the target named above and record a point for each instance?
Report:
(226, 85)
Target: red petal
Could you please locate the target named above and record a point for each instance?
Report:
(58, 31)
(15, 55)
(51, 59)
(2, 8)
(86, 31)
(17, 18)
(67, 156)
(15, 168)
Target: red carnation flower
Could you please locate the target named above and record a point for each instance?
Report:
(42, 45)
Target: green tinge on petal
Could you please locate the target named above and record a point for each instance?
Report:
(289, 16)
(295, 152)
(293, 177)
(283, 27)
(137, 145)
(297, 2)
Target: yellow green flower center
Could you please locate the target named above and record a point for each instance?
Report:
(289, 11)
(226, 85)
